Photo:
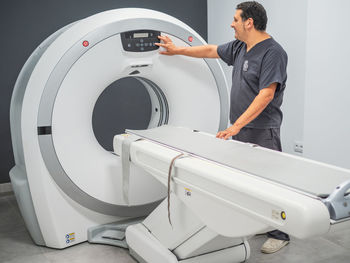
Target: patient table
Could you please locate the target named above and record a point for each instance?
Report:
(223, 192)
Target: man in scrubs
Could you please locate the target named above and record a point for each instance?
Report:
(258, 82)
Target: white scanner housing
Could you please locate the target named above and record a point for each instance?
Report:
(65, 182)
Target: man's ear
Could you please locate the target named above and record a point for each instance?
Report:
(249, 23)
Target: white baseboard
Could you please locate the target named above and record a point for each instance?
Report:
(6, 188)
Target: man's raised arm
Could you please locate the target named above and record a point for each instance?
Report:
(205, 51)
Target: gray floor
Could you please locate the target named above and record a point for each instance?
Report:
(17, 246)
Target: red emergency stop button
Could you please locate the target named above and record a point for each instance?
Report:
(85, 43)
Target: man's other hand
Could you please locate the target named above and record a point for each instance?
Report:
(229, 132)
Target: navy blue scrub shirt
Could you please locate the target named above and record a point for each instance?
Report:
(264, 64)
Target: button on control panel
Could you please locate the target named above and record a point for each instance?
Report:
(140, 40)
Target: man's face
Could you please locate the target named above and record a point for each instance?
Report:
(239, 26)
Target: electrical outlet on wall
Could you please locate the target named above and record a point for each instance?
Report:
(298, 146)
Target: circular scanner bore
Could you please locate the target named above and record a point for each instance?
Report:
(124, 104)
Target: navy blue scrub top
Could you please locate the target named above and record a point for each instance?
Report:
(264, 64)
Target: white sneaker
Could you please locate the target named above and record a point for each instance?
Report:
(272, 245)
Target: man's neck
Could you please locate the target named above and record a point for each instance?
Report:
(255, 38)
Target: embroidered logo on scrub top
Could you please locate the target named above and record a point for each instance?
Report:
(245, 65)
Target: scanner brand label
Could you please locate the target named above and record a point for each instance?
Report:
(188, 192)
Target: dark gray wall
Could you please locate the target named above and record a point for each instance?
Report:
(24, 24)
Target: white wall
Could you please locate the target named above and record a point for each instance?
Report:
(327, 92)
(220, 15)
(287, 25)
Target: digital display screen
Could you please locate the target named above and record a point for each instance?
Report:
(139, 35)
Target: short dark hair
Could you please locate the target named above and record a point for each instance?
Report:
(256, 11)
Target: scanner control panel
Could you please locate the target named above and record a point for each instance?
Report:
(140, 40)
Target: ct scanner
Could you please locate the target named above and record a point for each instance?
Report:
(70, 189)
(64, 180)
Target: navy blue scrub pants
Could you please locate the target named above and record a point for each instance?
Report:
(268, 138)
